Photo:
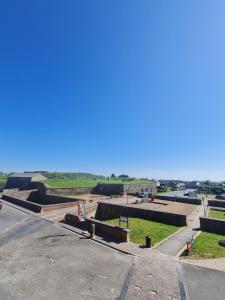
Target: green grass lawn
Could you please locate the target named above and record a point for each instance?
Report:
(74, 183)
(140, 228)
(216, 214)
(206, 246)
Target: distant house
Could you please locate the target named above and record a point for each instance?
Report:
(157, 182)
(174, 184)
(23, 180)
(192, 184)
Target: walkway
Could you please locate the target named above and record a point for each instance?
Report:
(174, 244)
(154, 277)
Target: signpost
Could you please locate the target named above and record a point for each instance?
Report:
(125, 220)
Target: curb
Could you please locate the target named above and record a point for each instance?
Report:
(183, 291)
(27, 211)
(71, 228)
(128, 280)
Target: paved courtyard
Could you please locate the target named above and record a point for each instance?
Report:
(40, 260)
(160, 205)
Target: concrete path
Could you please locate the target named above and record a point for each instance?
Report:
(174, 244)
(154, 277)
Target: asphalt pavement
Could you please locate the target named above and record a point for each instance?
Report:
(202, 283)
(10, 216)
(41, 260)
(179, 193)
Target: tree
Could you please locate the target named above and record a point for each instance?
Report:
(123, 176)
(113, 176)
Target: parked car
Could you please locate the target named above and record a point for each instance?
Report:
(221, 197)
(143, 195)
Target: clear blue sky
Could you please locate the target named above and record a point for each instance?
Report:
(133, 87)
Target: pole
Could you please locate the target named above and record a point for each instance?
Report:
(148, 241)
(78, 210)
(92, 231)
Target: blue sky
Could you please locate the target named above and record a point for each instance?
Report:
(131, 87)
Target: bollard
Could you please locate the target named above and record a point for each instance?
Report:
(148, 240)
(189, 247)
(92, 231)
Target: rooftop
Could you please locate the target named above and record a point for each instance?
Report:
(34, 176)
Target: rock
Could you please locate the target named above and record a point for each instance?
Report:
(222, 243)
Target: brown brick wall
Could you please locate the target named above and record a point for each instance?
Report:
(212, 225)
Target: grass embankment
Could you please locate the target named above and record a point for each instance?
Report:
(206, 196)
(61, 183)
(217, 214)
(140, 228)
(206, 246)
(74, 183)
(3, 180)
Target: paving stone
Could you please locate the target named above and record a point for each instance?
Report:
(154, 278)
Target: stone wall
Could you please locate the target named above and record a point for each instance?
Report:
(70, 191)
(54, 199)
(38, 186)
(110, 189)
(212, 225)
(29, 195)
(38, 195)
(216, 203)
(116, 232)
(38, 207)
(139, 188)
(18, 182)
(27, 184)
(50, 207)
(101, 228)
(106, 211)
(116, 189)
(180, 199)
(23, 203)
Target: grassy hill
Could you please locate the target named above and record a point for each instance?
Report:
(73, 180)
(78, 179)
(71, 176)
